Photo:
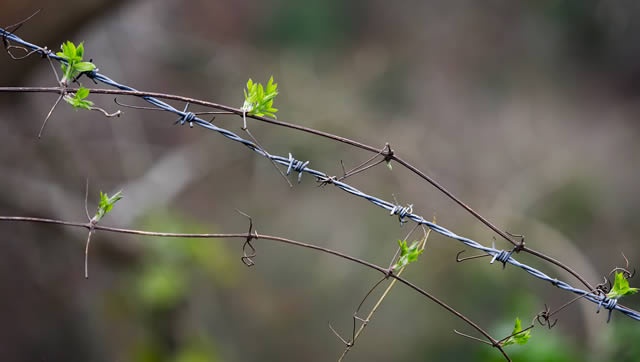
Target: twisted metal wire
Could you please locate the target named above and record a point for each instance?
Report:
(301, 167)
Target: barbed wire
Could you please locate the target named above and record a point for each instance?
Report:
(403, 212)
(387, 152)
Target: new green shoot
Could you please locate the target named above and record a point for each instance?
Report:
(78, 100)
(621, 287)
(408, 254)
(73, 54)
(258, 100)
(517, 336)
(106, 204)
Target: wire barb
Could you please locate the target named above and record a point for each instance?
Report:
(607, 303)
(503, 256)
(402, 212)
(298, 166)
(186, 117)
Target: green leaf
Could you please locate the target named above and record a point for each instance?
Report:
(408, 254)
(69, 50)
(621, 287)
(80, 50)
(517, 336)
(84, 67)
(78, 103)
(78, 100)
(82, 93)
(270, 87)
(389, 165)
(106, 204)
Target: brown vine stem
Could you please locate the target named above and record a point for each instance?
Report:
(389, 154)
(423, 244)
(255, 235)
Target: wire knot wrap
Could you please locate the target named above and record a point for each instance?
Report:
(402, 212)
(503, 257)
(91, 74)
(609, 304)
(188, 117)
(297, 166)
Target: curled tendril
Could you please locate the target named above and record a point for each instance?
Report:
(544, 317)
(247, 259)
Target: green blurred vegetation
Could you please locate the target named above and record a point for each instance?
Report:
(570, 208)
(158, 294)
(541, 347)
(625, 346)
(309, 25)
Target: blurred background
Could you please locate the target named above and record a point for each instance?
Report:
(526, 110)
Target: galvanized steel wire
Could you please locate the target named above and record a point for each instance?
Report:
(404, 213)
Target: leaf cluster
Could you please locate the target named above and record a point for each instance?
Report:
(106, 204)
(517, 335)
(621, 287)
(408, 254)
(258, 100)
(78, 100)
(74, 64)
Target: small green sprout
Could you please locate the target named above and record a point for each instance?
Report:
(258, 100)
(78, 100)
(106, 204)
(621, 287)
(389, 166)
(517, 335)
(408, 254)
(73, 55)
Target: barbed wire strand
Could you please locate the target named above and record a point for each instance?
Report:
(301, 167)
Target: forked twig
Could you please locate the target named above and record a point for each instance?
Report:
(498, 343)
(92, 223)
(62, 94)
(385, 151)
(365, 321)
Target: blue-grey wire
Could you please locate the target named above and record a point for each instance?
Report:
(301, 167)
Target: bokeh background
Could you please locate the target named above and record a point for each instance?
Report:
(526, 110)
